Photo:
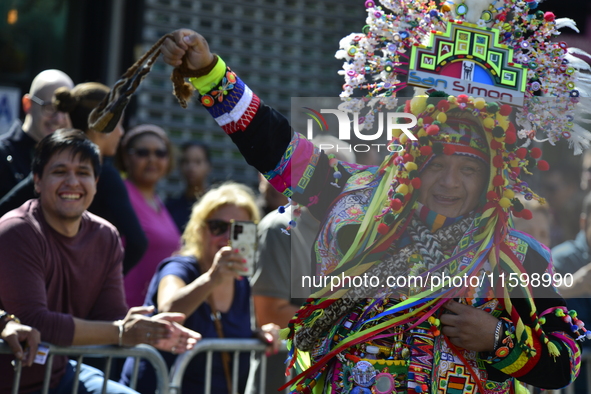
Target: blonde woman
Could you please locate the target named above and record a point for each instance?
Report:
(204, 281)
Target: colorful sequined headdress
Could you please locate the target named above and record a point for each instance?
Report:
(490, 61)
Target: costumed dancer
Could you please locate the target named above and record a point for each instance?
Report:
(440, 207)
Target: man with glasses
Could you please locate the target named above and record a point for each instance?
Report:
(16, 146)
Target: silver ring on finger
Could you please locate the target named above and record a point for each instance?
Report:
(148, 334)
(173, 350)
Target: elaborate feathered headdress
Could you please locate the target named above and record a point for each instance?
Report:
(492, 62)
(494, 59)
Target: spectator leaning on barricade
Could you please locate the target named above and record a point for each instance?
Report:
(204, 282)
(16, 334)
(41, 119)
(145, 156)
(195, 166)
(111, 201)
(574, 257)
(61, 268)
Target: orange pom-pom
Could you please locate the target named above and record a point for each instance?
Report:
(462, 98)
(443, 105)
(536, 153)
(516, 213)
(426, 150)
(498, 161)
(492, 195)
(549, 16)
(448, 149)
(510, 137)
(543, 165)
(432, 130)
(505, 110)
(496, 145)
(498, 180)
(396, 204)
(383, 228)
(510, 128)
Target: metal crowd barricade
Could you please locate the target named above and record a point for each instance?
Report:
(209, 346)
(177, 372)
(108, 352)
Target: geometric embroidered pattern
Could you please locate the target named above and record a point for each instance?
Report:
(457, 381)
(237, 109)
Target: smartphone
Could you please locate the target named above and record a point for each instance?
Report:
(243, 236)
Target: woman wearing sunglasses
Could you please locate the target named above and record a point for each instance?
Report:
(204, 281)
(145, 157)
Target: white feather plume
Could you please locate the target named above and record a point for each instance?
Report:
(566, 22)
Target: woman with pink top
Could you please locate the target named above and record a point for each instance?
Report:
(145, 157)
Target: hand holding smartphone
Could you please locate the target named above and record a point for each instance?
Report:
(243, 237)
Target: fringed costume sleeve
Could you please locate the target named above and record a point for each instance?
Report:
(550, 360)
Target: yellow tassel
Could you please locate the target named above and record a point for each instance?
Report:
(553, 349)
(316, 315)
(284, 333)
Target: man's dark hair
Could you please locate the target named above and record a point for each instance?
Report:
(190, 144)
(63, 139)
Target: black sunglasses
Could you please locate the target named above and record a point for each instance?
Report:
(47, 107)
(145, 152)
(217, 227)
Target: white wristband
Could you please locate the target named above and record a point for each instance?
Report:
(120, 325)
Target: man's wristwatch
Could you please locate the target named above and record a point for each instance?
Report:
(5, 317)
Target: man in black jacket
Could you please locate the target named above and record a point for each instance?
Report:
(16, 146)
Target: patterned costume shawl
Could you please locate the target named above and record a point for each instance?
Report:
(484, 240)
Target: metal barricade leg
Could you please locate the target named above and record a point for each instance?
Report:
(18, 367)
(107, 374)
(135, 372)
(235, 367)
(208, 363)
(77, 374)
(263, 372)
(47, 378)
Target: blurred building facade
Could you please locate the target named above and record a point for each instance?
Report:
(281, 48)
